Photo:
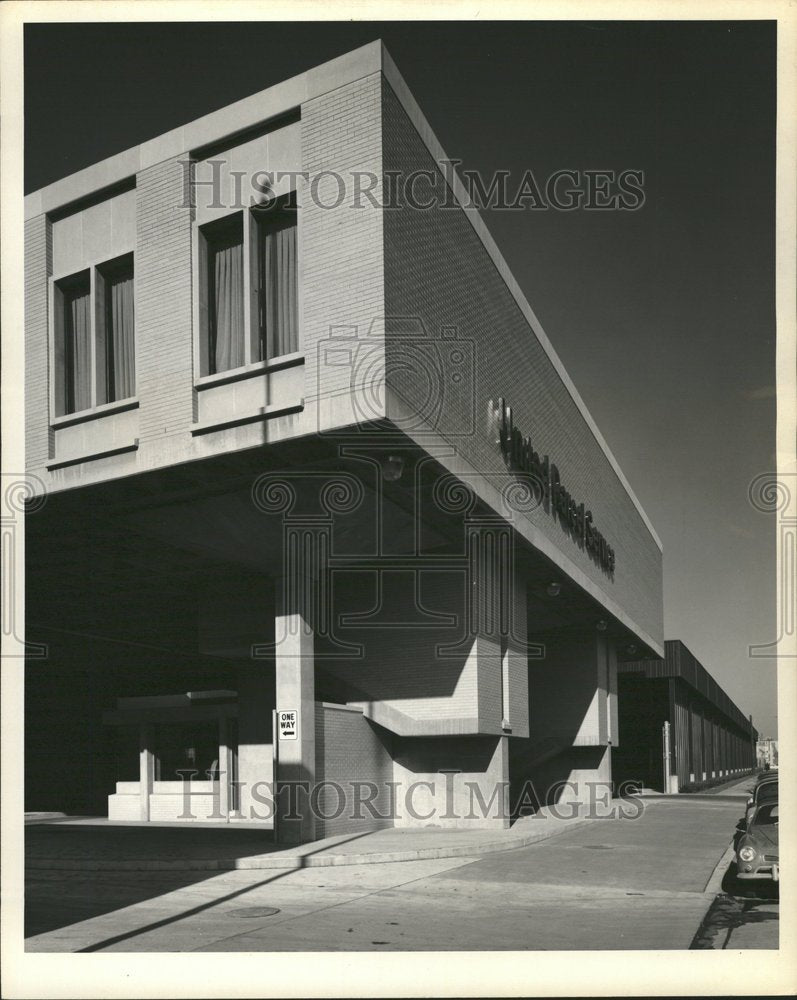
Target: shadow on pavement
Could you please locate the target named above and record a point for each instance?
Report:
(736, 906)
(202, 907)
(104, 842)
(50, 905)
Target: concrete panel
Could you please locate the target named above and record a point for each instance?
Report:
(67, 235)
(285, 156)
(286, 386)
(123, 223)
(97, 435)
(95, 234)
(97, 242)
(224, 182)
(475, 798)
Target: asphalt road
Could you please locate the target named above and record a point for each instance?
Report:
(608, 884)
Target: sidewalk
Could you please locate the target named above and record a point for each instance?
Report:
(591, 885)
(95, 844)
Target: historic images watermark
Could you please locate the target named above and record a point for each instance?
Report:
(436, 804)
(771, 493)
(563, 190)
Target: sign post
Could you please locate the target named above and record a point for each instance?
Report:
(666, 755)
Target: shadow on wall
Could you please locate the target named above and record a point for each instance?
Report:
(564, 707)
(537, 780)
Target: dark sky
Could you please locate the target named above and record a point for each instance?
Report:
(664, 317)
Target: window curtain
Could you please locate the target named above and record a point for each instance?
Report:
(279, 328)
(120, 347)
(227, 308)
(77, 389)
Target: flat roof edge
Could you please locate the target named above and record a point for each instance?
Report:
(675, 671)
(213, 127)
(418, 119)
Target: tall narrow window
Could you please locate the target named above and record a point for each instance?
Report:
(276, 284)
(116, 362)
(73, 344)
(225, 295)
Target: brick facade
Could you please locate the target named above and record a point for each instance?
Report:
(349, 750)
(163, 287)
(38, 268)
(342, 265)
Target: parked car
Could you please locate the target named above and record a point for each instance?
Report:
(757, 849)
(766, 790)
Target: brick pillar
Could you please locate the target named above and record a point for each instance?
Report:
(164, 281)
(38, 270)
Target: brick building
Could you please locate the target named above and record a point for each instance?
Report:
(307, 464)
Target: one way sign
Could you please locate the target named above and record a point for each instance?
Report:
(288, 724)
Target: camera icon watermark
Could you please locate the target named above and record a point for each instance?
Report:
(420, 382)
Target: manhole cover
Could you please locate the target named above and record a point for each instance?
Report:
(253, 911)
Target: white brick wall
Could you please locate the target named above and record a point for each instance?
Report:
(38, 267)
(342, 265)
(164, 345)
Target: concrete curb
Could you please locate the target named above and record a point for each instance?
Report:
(710, 893)
(714, 883)
(296, 862)
(690, 796)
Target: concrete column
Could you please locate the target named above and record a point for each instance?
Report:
(612, 722)
(499, 772)
(300, 605)
(225, 767)
(146, 767)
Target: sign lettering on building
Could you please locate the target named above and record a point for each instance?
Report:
(520, 457)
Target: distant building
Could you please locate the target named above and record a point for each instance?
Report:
(767, 752)
(678, 726)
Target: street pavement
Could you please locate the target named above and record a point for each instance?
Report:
(602, 884)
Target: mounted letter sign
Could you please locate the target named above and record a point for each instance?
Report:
(288, 724)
